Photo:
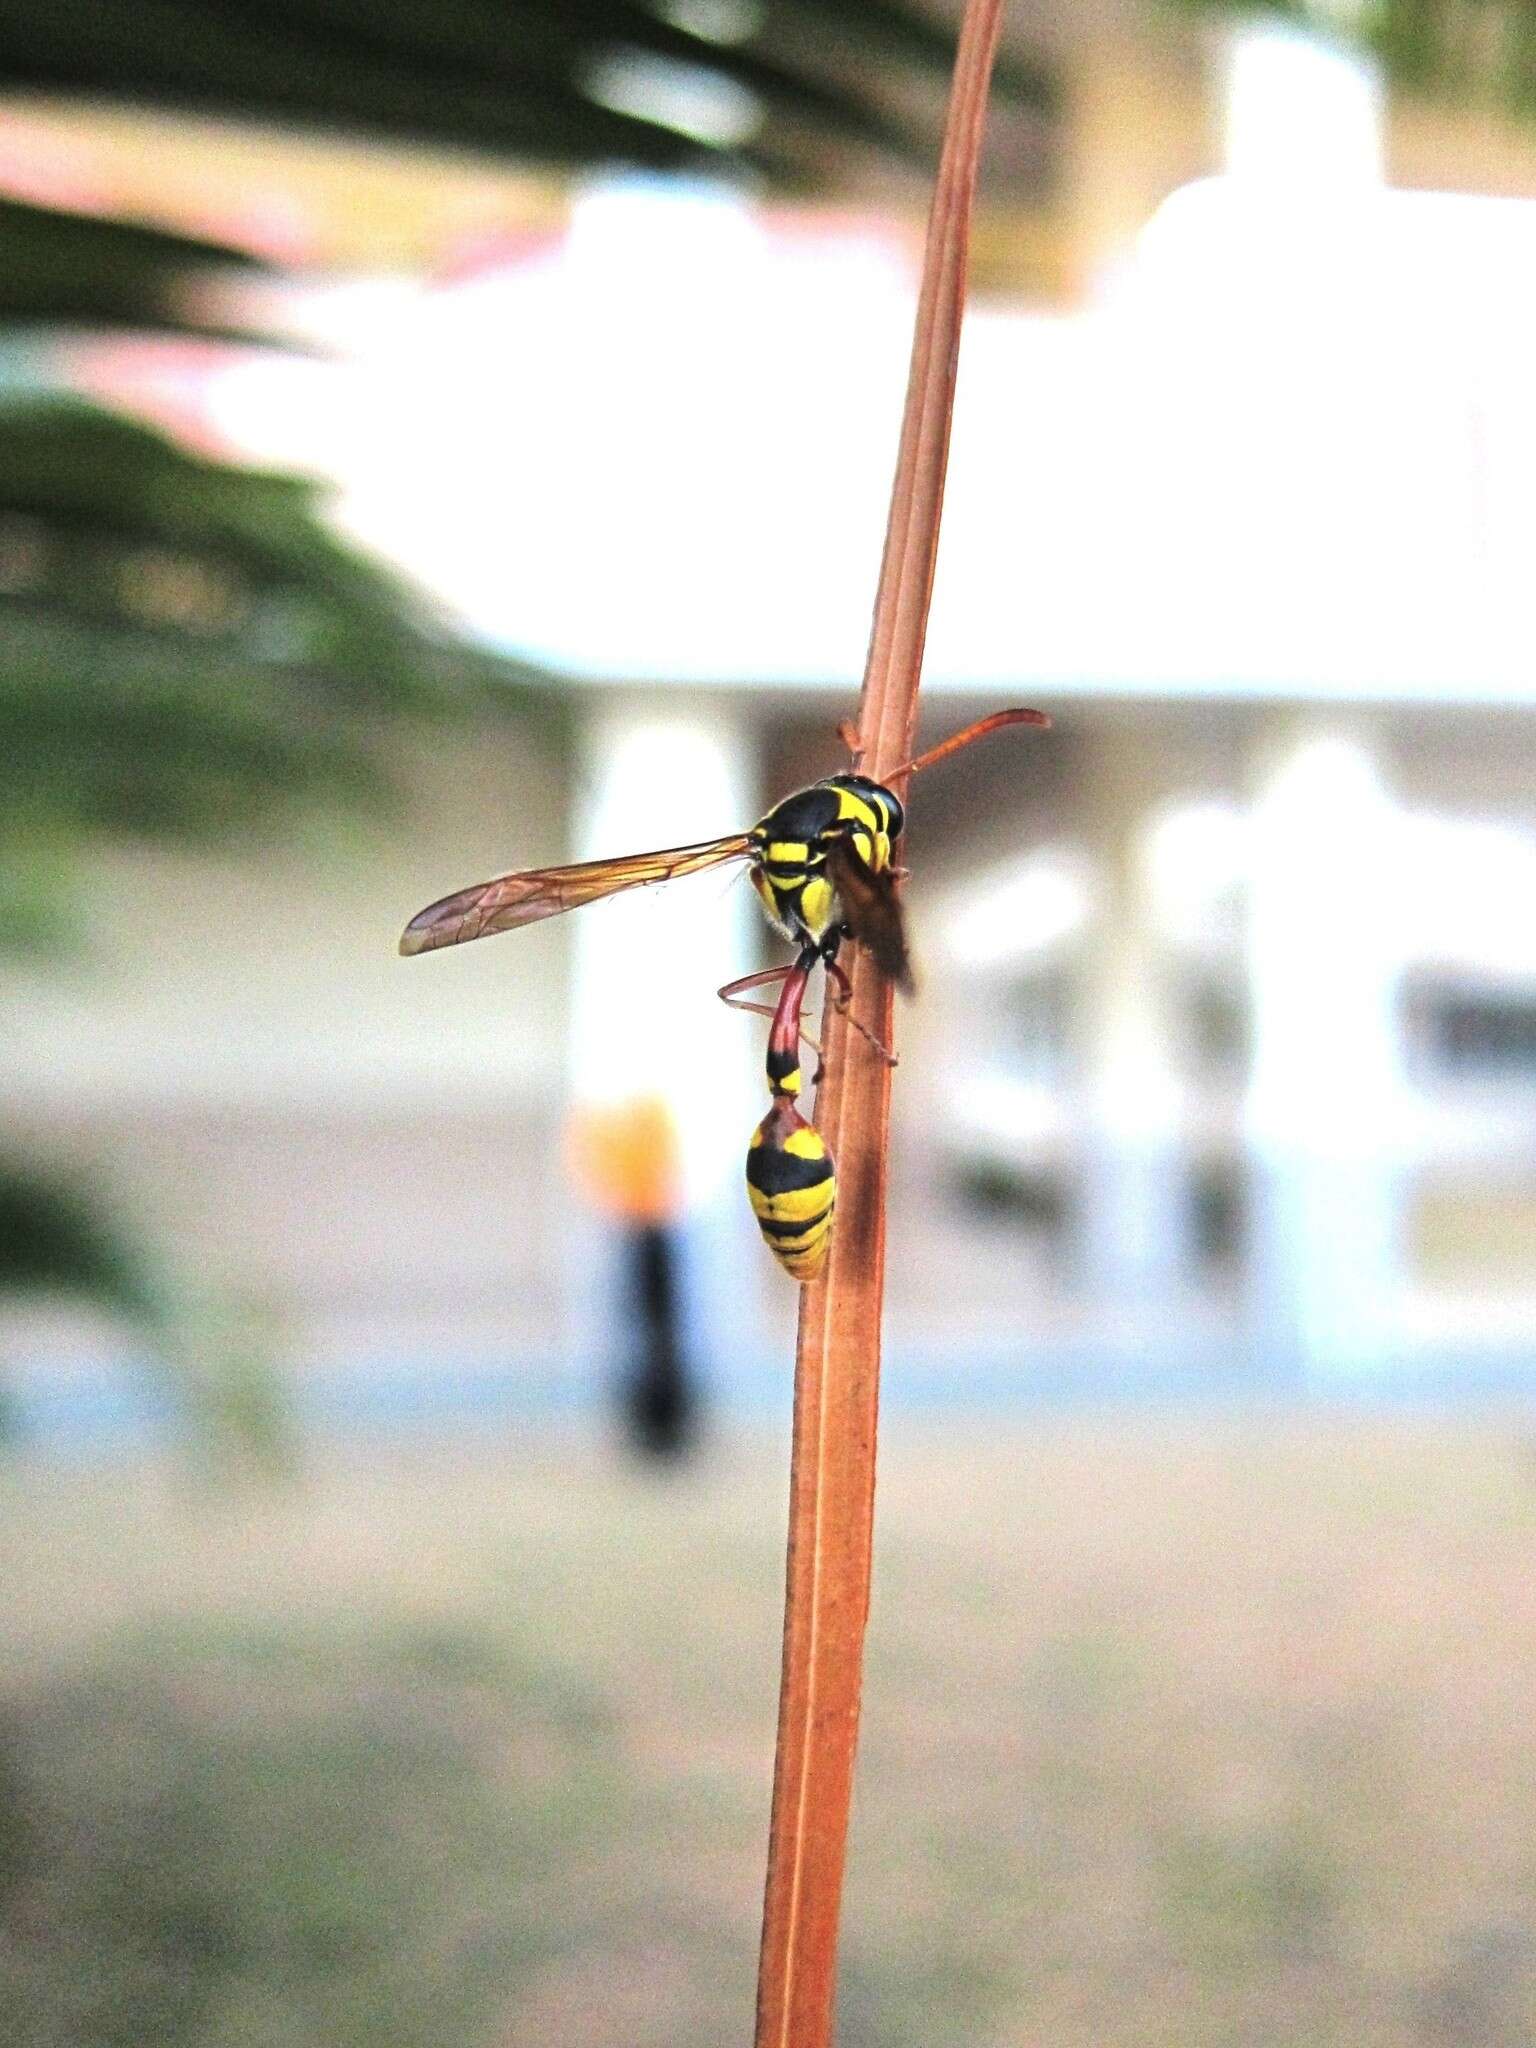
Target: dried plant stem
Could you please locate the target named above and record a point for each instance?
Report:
(837, 1367)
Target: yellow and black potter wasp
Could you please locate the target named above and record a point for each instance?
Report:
(822, 865)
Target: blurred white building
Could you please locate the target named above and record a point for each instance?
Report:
(1226, 1054)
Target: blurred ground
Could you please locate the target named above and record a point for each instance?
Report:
(1179, 1731)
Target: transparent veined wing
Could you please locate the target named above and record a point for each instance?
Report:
(509, 901)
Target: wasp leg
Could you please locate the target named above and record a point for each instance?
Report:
(731, 993)
(967, 738)
(842, 997)
(732, 997)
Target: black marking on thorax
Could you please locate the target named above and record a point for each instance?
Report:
(804, 817)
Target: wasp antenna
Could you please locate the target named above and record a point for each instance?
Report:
(978, 731)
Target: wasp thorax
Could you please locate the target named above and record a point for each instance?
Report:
(793, 1189)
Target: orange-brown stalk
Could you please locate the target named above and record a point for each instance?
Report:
(837, 1366)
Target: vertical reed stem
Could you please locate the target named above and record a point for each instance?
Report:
(837, 1367)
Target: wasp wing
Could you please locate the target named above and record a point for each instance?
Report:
(509, 901)
(871, 909)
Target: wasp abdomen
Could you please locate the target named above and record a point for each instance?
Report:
(793, 1189)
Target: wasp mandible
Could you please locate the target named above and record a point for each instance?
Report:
(822, 863)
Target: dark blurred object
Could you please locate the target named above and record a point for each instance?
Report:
(659, 1395)
(55, 1238)
(52, 1236)
(785, 89)
(996, 1191)
(626, 1157)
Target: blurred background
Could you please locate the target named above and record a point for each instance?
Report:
(442, 440)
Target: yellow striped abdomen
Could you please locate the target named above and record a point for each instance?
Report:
(793, 1189)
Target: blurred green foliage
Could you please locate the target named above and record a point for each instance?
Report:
(185, 648)
(533, 79)
(66, 269)
(188, 653)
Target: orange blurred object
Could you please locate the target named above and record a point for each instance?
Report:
(625, 1157)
